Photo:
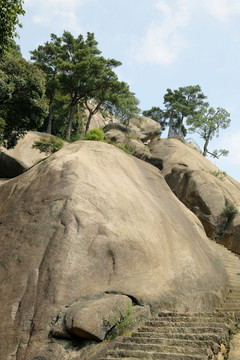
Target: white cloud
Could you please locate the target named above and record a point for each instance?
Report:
(163, 42)
(222, 10)
(166, 37)
(59, 12)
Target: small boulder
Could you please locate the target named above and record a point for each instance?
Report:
(92, 318)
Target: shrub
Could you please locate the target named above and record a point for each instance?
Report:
(219, 174)
(122, 324)
(95, 134)
(48, 146)
(230, 209)
(125, 148)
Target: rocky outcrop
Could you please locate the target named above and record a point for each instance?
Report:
(136, 137)
(145, 128)
(14, 162)
(207, 191)
(87, 221)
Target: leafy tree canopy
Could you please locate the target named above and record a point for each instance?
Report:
(207, 123)
(9, 11)
(22, 98)
(158, 115)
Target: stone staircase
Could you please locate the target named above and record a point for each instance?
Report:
(231, 303)
(176, 336)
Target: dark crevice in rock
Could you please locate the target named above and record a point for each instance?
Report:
(135, 301)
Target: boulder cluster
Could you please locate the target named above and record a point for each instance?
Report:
(92, 235)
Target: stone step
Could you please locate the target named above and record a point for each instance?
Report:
(233, 282)
(172, 325)
(234, 288)
(231, 266)
(190, 350)
(174, 315)
(165, 341)
(231, 305)
(183, 330)
(232, 296)
(138, 354)
(232, 271)
(170, 320)
(178, 336)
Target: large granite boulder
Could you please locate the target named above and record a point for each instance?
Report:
(207, 191)
(91, 220)
(14, 162)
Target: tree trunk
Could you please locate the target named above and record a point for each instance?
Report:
(70, 120)
(180, 126)
(170, 123)
(89, 120)
(205, 148)
(49, 125)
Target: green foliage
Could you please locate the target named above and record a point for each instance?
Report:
(126, 148)
(22, 98)
(48, 146)
(76, 71)
(46, 57)
(95, 134)
(158, 115)
(122, 324)
(221, 175)
(179, 104)
(230, 209)
(131, 137)
(9, 11)
(217, 153)
(207, 123)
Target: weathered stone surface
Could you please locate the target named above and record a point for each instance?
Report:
(91, 219)
(147, 128)
(203, 188)
(175, 153)
(133, 137)
(92, 319)
(14, 162)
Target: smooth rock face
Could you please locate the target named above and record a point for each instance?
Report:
(91, 219)
(203, 188)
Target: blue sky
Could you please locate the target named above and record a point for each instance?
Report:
(161, 44)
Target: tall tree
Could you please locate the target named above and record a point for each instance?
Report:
(190, 102)
(22, 98)
(172, 102)
(9, 12)
(207, 123)
(181, 103)
(46, 57)
(80, 65)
